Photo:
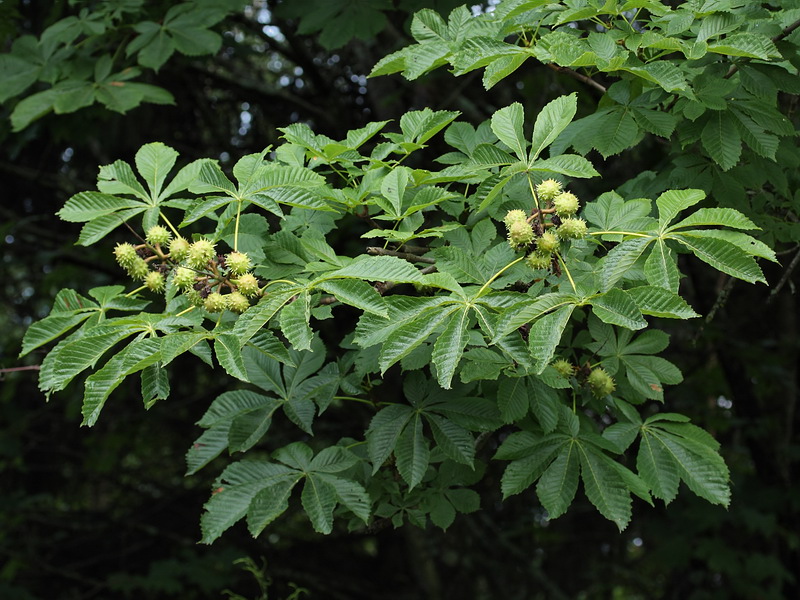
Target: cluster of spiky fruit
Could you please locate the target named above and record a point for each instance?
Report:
(597, 379)
(214, 281)
(542, 231)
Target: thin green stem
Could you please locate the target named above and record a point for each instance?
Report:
(496, 275)
(634, 234)
(236, 227)
(566, 270)
(137, 290)
(169, 224)
(534, 194)
(187, 310)
(362, 400)
(277, 281)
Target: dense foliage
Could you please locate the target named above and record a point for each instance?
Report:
(489, 322)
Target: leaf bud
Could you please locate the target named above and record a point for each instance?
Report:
(600, 382)
(200, 252)
(566, 204)
(238, 263)
(572, 228)
(520, 234)
(548, 189)
(157, 235)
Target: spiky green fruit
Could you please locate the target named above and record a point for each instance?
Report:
(247, 284)
(520, 234)
(138, 269)
(157, 234)
(536, 260)
(547, 243)
(514, 216)
(566, 204)
(178, 249)
(200, 252)
(215, 302)
(548, 189)
(194, 297)
(238, 263)
(154, 281)
(125, 254)
(564, 367)
(237, 302)
(183, 278)
(600, 382)
(572, 228)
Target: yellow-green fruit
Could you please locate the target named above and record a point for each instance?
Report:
(572, 228)
(157, 235)
(515, 216)
(548, 189)
(520, 234)
(600, 382)
(564, 367)
(566, 204)
(547, 243)
(125, 254)
(154, 281)
(183, 278)
(194, 297)
(536, 260)
(237, 302)
(238, 263)
(215, 302)
(200, 252)
(138, 269)
(178, 249)
(247, 284)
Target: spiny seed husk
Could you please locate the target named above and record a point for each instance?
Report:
(520, 234)
(548, 189)
(247, 284)
(514, 216)
(215, 302)
(548, 243)
(157, 234)
(154, 281)
(566, 204)
(572, 228)
(238, 263)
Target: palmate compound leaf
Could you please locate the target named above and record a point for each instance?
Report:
(550, 122)
(604, 486)
(559, 482)
(545, 334)
(261, 490)
(449, 346)
(236, 419)
(239, 485)
(723, 255)
(671, 450)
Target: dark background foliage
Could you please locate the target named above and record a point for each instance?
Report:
(106, 512)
